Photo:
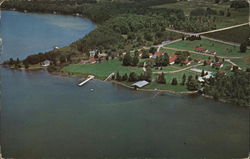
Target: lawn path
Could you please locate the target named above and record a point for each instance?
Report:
(175, 49)
(180, 70)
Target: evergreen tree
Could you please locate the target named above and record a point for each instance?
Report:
(174, 81)
(183, 79)
(125, 77)
(127, 60)
(148, 74)
(243, 47)
(193, 85)
(132, 77)
(202, 73)
(135, 60)
(161, 78)
(118, 76)
(144, 55)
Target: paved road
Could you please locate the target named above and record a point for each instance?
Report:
(212, 31)
(226, 28)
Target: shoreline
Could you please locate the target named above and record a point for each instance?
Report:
(63, 74)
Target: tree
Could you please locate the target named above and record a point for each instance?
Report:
(161, 78)
(189, 78)
(202, 73)
(174, 81)
(165, 60)
(26, 65)
(127, 60)
(11, 61)
(125, 77)
(148, 74)
(135, 60)
(144, 55)
(118, 76)
(17, 61)
(183, 79)
(243, 47)
(152, 50)
(216, 59)
(132, 77)
(193, 85)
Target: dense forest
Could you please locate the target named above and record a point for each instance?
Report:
(234, 88)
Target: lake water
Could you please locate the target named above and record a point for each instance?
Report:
(50, 116)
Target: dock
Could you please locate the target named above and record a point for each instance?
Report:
(112, 74)
(90, 77)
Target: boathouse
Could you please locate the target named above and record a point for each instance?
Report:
(140, 84)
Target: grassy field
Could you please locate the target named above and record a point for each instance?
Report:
(243, 63)
(101, 70)
(220, 48)
(169, 77)
(237, 16)
(193, 56)
(237, 35)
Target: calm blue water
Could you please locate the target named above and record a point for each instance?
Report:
(49, 116)
(26, 34)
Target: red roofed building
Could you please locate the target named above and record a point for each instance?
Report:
(208, 62)
(186, 62)
(197, 61)
(92, 60)
(172, 59)
(157, 54)
(200, 49)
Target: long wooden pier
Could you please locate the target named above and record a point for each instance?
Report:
(90, 77)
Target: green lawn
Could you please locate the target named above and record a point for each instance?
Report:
(243, 63)
(193, 56)
(220, 48)
(101, 70)
(169, 77)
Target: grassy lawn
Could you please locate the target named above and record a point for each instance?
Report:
(237, 16)
(214, 70)
(193, 56)
(243, 63)
(220, 48)
(238, 35)
(164, 69)
(101, 70)
(169, 77)
(177, 88)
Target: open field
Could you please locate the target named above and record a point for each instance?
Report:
(243, 63)
(221, 49)
(169, 77)
(101, 70)
(193, 56)
(237, 16)
(237, 35)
